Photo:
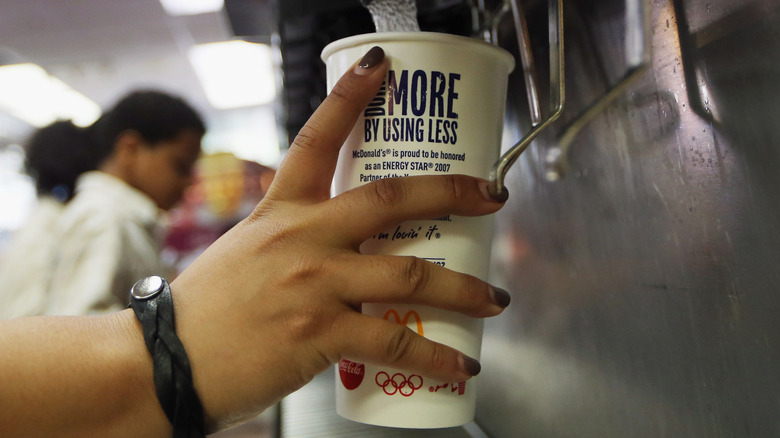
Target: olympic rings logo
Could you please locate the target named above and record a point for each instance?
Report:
(398, 383)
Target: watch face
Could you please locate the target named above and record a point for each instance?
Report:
(147, 287)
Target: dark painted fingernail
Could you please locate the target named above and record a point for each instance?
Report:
(471, 366)
(500, 197)
(500, 296)
(371, 59)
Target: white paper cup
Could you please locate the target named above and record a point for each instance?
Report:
(440, 111)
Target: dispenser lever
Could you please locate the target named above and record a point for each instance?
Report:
(637, 55)
(557, 88)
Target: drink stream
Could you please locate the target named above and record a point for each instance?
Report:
(394, 15)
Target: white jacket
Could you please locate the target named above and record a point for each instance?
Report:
(108, 241)
(25, 266)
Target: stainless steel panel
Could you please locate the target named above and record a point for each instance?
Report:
(646, 282)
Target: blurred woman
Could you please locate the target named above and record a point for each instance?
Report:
(136, 160)
(145, 147)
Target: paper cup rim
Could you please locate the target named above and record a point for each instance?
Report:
(379, 37)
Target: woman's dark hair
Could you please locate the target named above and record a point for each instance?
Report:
(57, 154)
(154, 115)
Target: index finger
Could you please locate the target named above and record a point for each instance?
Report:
(307, 170)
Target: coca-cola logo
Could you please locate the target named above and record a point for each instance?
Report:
(398, 383)
(351, 373)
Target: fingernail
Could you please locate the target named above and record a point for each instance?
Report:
(500, 296)
(470, 365)
(484, 187)
(371, 59)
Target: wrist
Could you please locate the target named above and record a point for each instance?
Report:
(130, 377)
(225, 373)
(195, 327)
(152, 303)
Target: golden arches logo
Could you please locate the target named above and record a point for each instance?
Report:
(405, 320)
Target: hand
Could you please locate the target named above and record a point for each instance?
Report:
(276, 300)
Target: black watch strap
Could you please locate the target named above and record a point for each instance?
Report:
(152, 302)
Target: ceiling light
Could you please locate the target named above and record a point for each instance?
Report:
(29, 93)
(191, 7)
(234, 73)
